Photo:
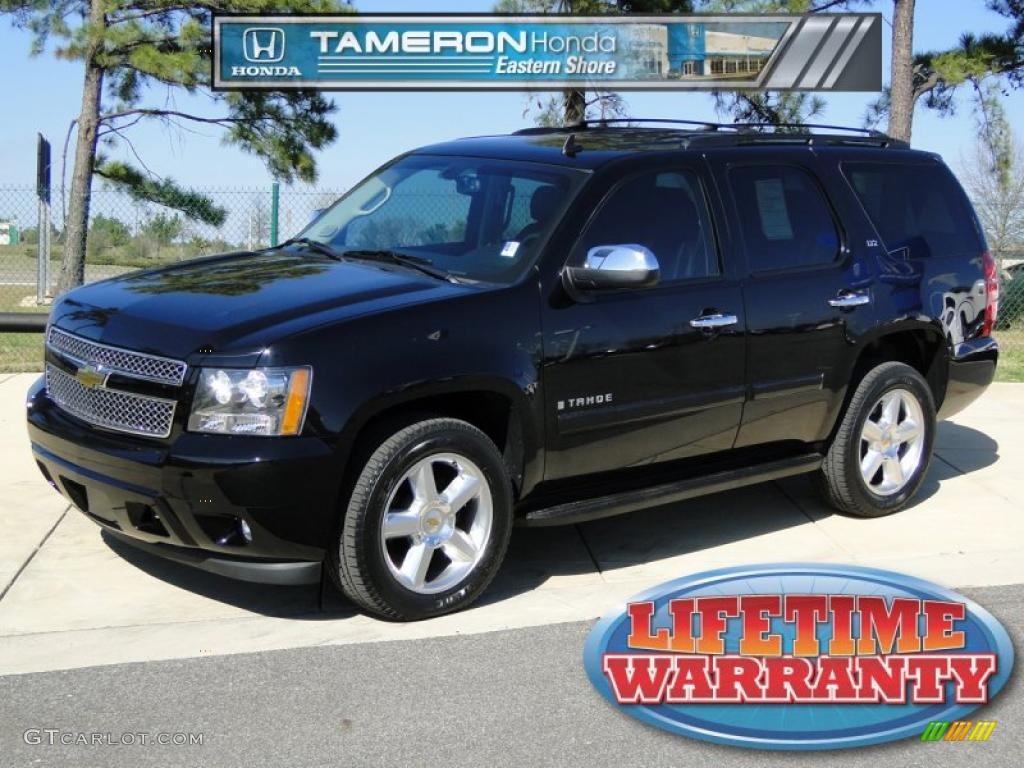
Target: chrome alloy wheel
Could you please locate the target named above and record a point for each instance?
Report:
(437, 523)
(892, 442)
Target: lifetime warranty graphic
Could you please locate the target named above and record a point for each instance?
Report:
(837, 52)
(799, 656)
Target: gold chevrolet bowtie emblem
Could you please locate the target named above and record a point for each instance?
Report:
(90, 376)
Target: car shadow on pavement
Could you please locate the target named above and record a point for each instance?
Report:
(964, 448)
(307, 601)
(638, 539)
(959, 450)
(537, 555)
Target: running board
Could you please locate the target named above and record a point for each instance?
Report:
(666, 493)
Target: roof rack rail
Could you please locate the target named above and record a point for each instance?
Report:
(818, 126)
(707, 125)
(583, 125)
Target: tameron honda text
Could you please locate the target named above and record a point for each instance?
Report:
(798, 656)
(631, 51)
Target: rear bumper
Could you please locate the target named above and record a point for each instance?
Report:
(256, 509)
(971, 369)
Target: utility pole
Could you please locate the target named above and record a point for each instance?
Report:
(42, 219)
(275, 198)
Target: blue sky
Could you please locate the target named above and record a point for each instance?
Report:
(43, 95)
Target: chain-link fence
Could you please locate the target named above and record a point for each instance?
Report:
(127, 234)
(1010, 325)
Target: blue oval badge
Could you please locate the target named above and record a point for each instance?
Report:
(798, 656)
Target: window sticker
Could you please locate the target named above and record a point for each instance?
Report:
(509, 249)
(771, 202)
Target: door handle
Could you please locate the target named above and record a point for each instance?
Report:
(714, 321)
(847, 299)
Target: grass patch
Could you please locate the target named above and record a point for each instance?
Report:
(132, 258)
(21, 352)
(21, 259)
(11, 297)
(19, 265)
(1011, 355)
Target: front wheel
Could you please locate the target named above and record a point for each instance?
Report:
(883, 447)
(427, 524)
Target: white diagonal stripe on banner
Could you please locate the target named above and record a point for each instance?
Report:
(828, 52)
(857, 38)
(795, 57)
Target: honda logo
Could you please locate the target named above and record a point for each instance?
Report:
(263, 44)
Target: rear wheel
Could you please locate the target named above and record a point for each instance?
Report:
(427, 524)
(883, 447)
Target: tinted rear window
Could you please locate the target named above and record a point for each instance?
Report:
(786, 221)
(918, 207)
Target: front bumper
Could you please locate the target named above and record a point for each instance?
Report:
(187, 499)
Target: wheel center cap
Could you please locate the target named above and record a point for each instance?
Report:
(437, 525)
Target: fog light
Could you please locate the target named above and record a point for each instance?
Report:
(243, 528)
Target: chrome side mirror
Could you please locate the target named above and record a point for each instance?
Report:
(615, 267)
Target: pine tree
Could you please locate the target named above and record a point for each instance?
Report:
(976, 62)
(575, 104)
(772, 108)
(127, 49)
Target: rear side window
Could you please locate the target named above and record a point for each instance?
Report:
(918, 207)
(786, 221)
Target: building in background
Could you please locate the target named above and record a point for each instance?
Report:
(9, 234)
(700, 50)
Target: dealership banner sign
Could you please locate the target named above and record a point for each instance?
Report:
(802, 656)
(831, 52)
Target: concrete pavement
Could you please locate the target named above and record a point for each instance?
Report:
(74, 598)
(513, 698)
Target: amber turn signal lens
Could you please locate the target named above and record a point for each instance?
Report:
(295, 408)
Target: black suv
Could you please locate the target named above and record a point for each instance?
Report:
(541, 328)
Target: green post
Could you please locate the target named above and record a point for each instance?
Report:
(275, 197)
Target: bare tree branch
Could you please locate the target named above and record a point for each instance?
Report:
(147, 14)
(63, 172)
(131, 147)
(167, 113)
(999, 201)
(827, 5)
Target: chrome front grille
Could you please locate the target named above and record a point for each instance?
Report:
(137, 365)
(110, 408)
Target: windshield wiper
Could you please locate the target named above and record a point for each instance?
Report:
(426, 266)
(313, 245)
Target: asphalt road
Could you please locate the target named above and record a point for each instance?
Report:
(517, 697)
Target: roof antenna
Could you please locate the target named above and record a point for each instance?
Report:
(570, 148)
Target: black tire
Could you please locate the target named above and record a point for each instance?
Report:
(840, 480)
(356, 560)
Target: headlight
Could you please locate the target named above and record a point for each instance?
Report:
(253, 401)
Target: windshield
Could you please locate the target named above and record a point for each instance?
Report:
(473, 218)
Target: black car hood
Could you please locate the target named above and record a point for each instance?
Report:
(237, 303)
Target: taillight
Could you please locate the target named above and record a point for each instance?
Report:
(991, 272)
